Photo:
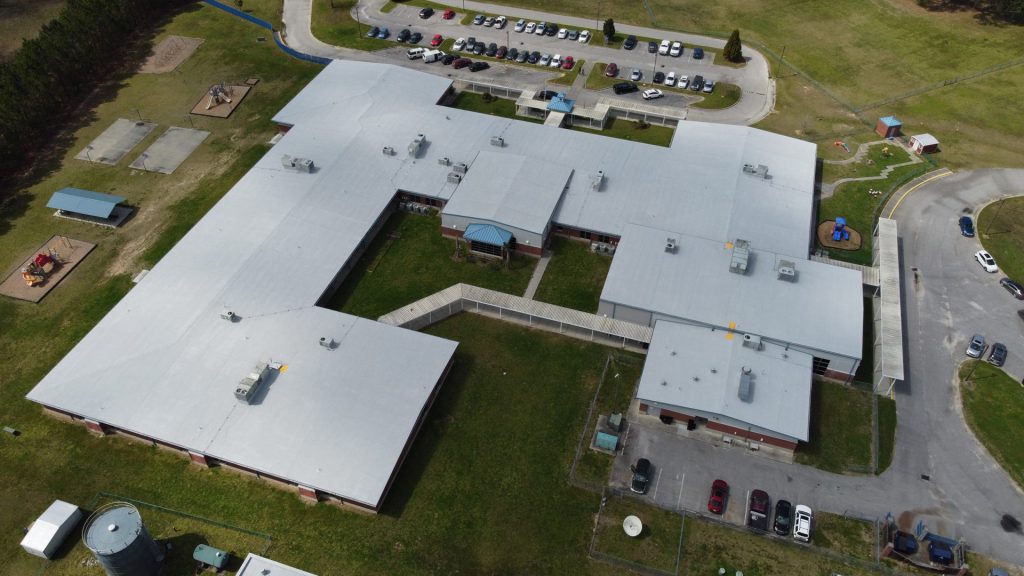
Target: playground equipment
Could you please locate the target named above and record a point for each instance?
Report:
(886, 152)
(218, 95)
(841, 144)
(40, 267)
(839, 231)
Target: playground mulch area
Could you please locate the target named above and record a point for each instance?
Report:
(825, 237)
(69, 253)
(169, 54)
(237, 93)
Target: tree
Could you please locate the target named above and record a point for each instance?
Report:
(733, 51)
(609, 29)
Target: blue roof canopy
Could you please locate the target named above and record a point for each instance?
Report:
(561, 104)
(891, 121)
(84, 202)
(487, 234)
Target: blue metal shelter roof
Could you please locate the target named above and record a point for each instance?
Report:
(561, 104)
(487, 234)
(891, 121)
(84, 202)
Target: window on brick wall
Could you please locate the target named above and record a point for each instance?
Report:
(584, 234)
(820, 366)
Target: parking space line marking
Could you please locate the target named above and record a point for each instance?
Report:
(656, 484)
(679, 500)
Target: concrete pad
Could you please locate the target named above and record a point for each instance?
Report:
(69, 252)
(170, 150)
(116, 141)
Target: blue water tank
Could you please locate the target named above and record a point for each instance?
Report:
(120, 541)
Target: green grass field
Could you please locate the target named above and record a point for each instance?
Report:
(840, 429)
(725, 95)
(870, 165)
(846, 536)
(993, 407)
(656, 547)
(999, 226)
(574, 276)
(333, 23)
(634, 131)
(615, 396)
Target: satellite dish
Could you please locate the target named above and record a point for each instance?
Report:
(633, 526)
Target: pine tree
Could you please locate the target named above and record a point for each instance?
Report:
(609, 29)
(733, 51)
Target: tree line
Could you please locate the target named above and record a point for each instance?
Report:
(1011, 11)
(46, 80)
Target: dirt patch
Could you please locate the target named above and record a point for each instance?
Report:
(169, 54)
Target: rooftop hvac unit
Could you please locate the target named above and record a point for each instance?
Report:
(746, 391)
(497, 141)
(416, 145)
(328, 343)
(760, 171)
(460, 168)
(787, 270)
(740, 257)
(299, 164)
(671, 246)
(596, 180)
(454, 177)
(250, 385)
(444, 161)
(228, 315)
(752, 341)
(388, 151)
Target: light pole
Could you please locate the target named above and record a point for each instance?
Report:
(190, 123)
(655, 69)
(781, 57)
(88, 147)
(143, 157)
(137, 111)
(999, 206)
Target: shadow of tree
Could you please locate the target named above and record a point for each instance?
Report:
(991, 12)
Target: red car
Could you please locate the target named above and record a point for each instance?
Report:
(719, 494)
(437, 40)
(461, 63)
(448, 14)
(568, 63)
(612, 70)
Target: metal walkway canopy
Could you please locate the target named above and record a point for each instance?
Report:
(84, 202)
(890, 321)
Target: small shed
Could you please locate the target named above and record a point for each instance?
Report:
(488, 239)
(888, 127)
(50, 530)
(924, 144)
(88, 206)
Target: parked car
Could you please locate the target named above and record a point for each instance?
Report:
(783, 517)
(659, 77)
(584, 37)
(520, 26)
(641, 476)
(530, 28)
(534, 57)
(448, 14)
(541, 27)
(470, 44)
(502, 51)
(709, 86)
(627, 87)
(448, 59)
(636, 75)
(489, 21)
(670, 79)
(479, 19)
(652, 47)
(426, 13)
(802, 524)
(719, 497)
(760, 507)
(478, 66)
(415, 38)
(480, 48)
(683, 82)
(372, 32)
(545, 60)
(997, 357)
(676, 50)
(414, 53)
(568, 63)
(1013, 288)
(629, 43)
(556, 61)
(461, 63)
(967, 226)
(551, 30)
(665, 47)
(987, 261)
(611, 70)
(523, 57)
(573, 36)
(546, 94)
(512, 54)
(436, 40)
(563, 33)
(383, 34)
(459, 44)
(500, 22)
(492, 50)
(976, 347)
(697, 83)
(698, 53)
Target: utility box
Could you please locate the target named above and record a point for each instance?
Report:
(615, 422)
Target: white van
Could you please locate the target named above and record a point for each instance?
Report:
(432, 56)
(414, 53)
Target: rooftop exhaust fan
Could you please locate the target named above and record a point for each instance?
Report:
(328, 343)
(388, 151)
(497, 141)
(671, 246)
(752, 341)
(228, 315)
(597, 180)
(444, 161)
(454, 177)
(460, 168)
(297, 164)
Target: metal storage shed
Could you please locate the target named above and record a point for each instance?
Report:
(888, 127)
(50, 530)
(924, 144)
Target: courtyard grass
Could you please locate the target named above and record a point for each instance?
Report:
(495, 106)
(575, 275)
(1000, 227)
(725, 95)
(567, 78)
(596, 80)
(615, 395)
(840, 429)
(633, 131)
(870, 165)
(993, 405)
(656, 547)
(332, 23)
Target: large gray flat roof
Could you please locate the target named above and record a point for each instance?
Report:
(699, 368)
(822, 309)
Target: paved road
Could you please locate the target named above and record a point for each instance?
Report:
(949, 299)
(758, 89)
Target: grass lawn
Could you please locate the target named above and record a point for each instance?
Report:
(569, 77)
(871, 165)
(708, 546)
(886, 432)
(496, 107)
(22, 19)
(1000, 227)
(615, 396)
(333, 24)
(840, 429)
(410, 260)
(725, 95)
(656, 547)
(629, 130)
(846, 536)
(852, 201)
(994, 407)
(596, 80)
(575, 275)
